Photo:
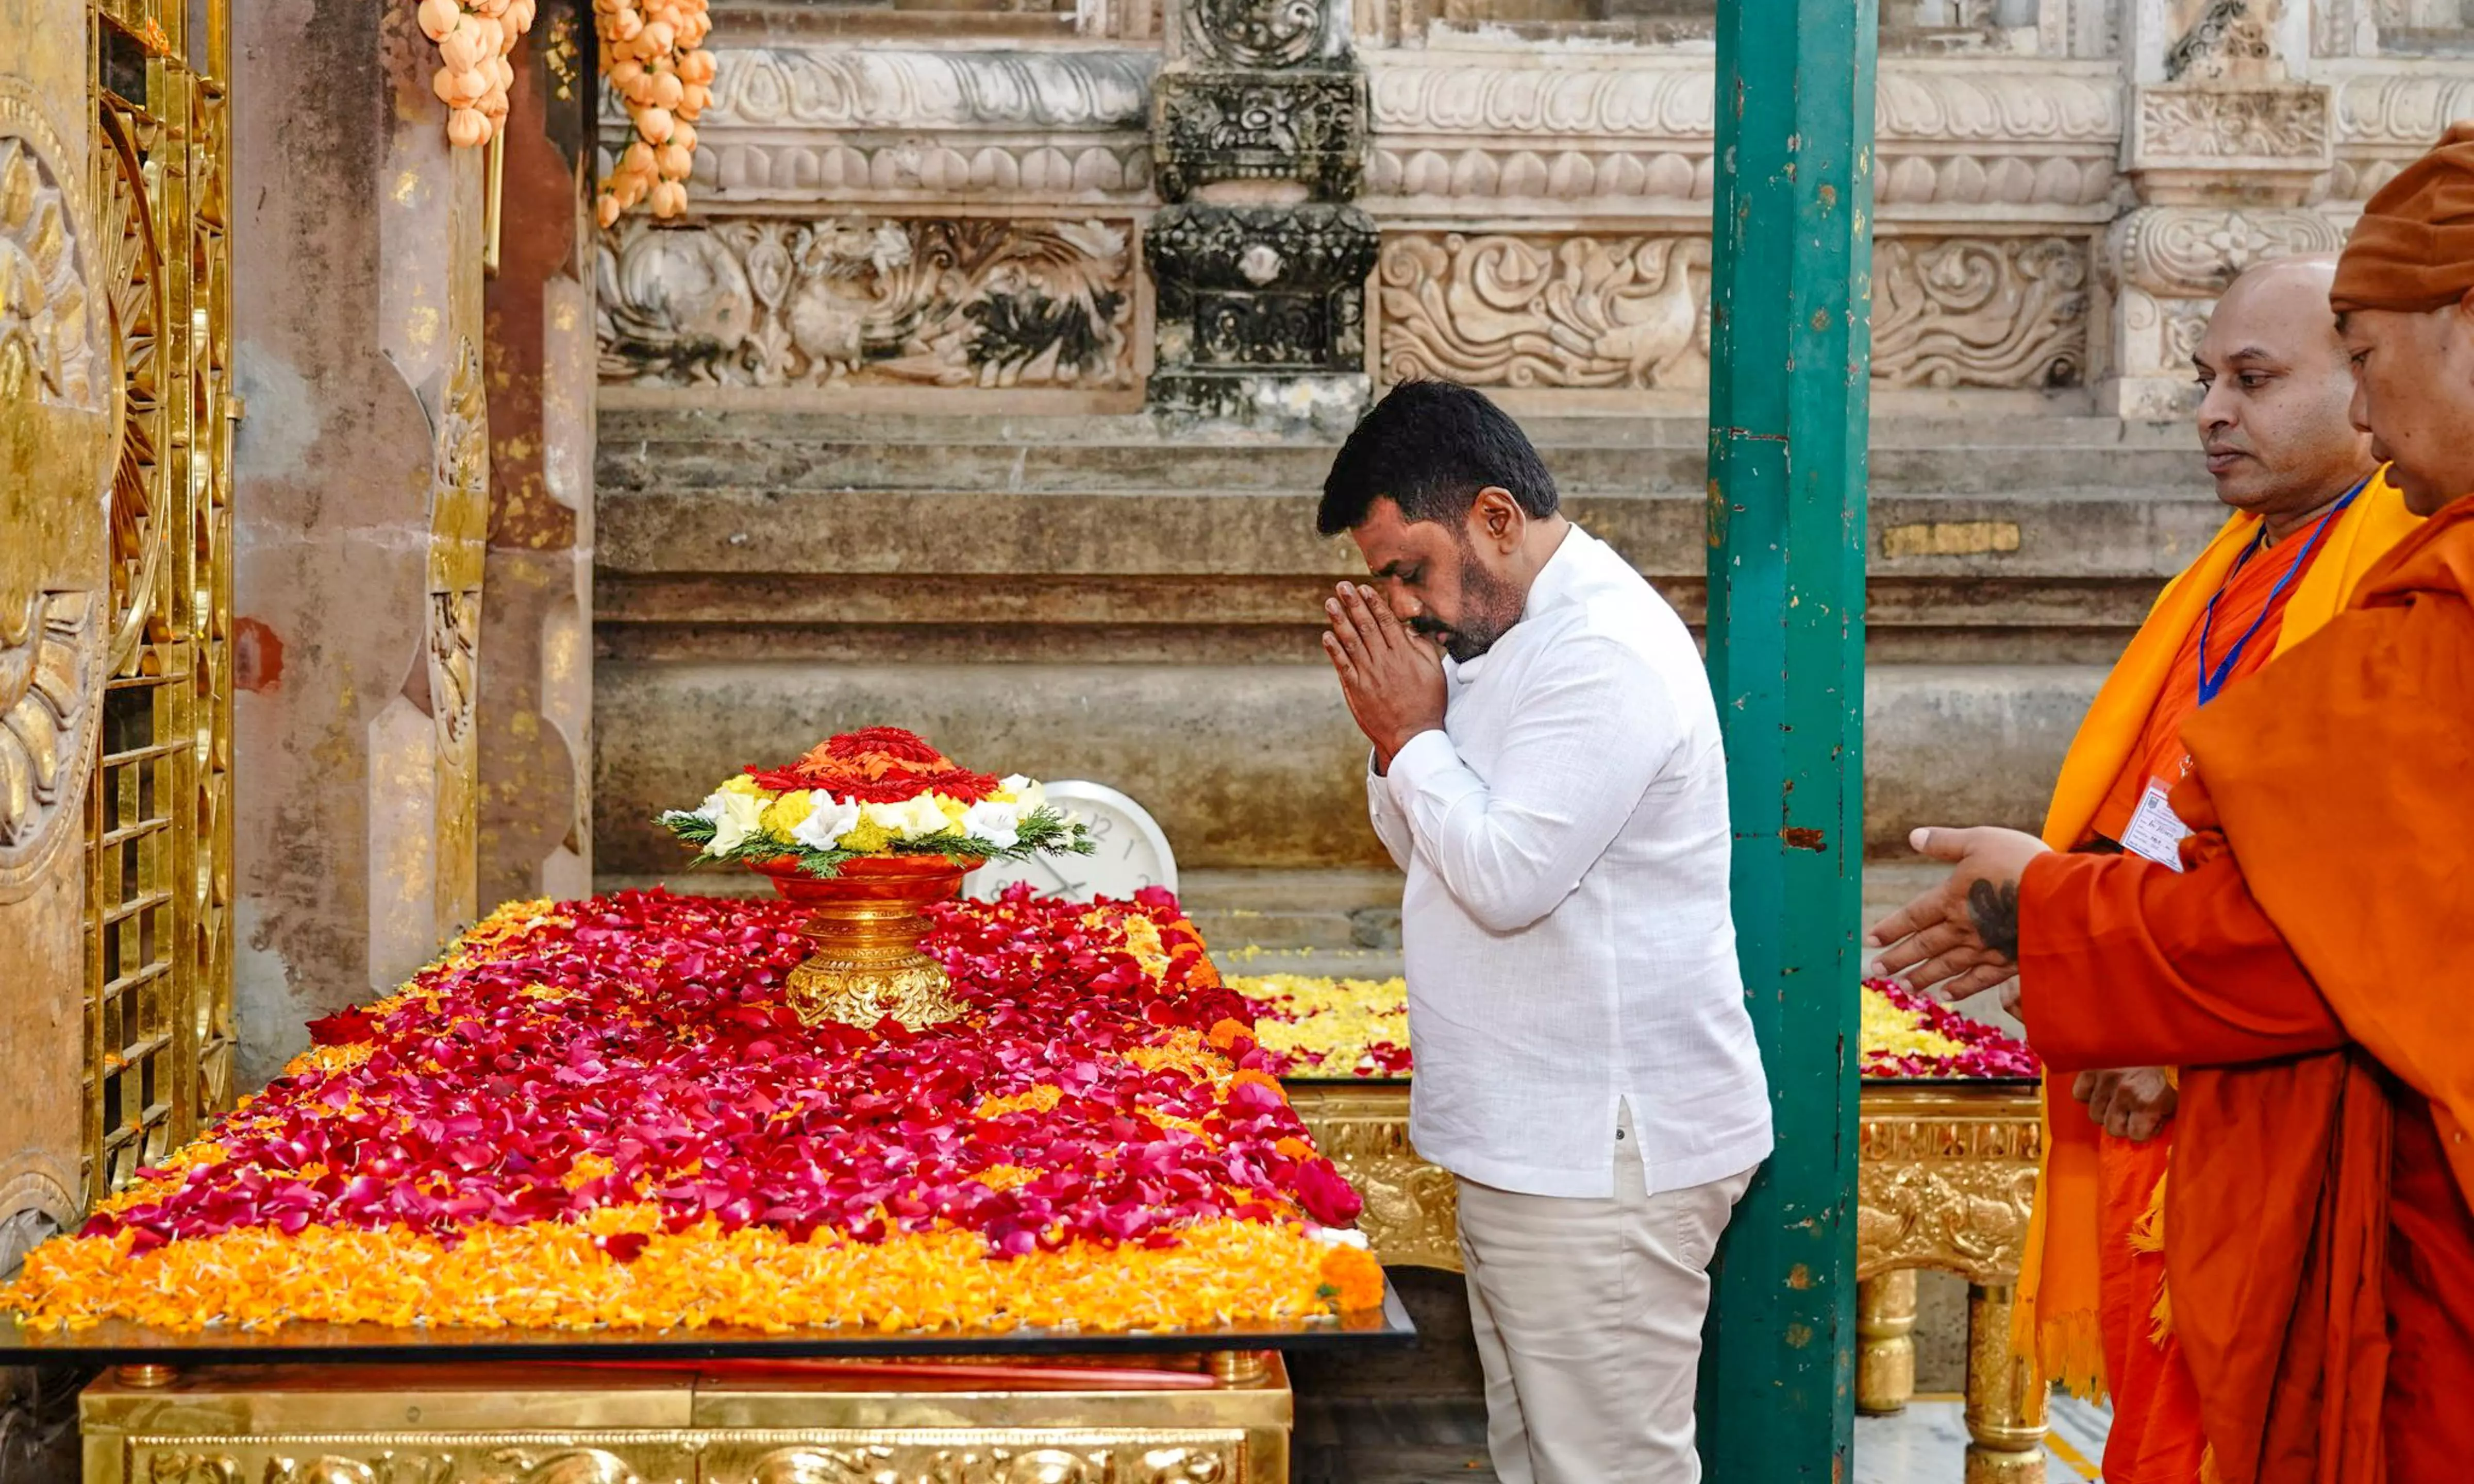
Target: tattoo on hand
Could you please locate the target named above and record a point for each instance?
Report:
(1995, 910)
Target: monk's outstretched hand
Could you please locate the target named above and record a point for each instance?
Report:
(1962, 937)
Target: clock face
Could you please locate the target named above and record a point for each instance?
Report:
(1133, 851)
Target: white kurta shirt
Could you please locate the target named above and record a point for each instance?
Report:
(1568, 939)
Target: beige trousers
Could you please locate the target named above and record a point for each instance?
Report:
(1588, 1323)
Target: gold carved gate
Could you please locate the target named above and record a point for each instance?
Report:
(116, 596)
(159, 825)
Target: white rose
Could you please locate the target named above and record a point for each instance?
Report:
(912, 819)
(998, 824)
(1025, 792)
(735, 817)
(828, 821)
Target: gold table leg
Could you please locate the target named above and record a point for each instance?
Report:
(2005, 1396)
(1885, 1356)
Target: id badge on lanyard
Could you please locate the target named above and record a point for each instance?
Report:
(2156, 831)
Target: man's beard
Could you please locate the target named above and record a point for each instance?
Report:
(1489, 607)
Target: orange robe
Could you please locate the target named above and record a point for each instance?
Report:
(2093, 1292)
(2314, 974)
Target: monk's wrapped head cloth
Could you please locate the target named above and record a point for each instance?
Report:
(2414, 250)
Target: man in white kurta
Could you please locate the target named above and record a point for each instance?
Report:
(1556, 792)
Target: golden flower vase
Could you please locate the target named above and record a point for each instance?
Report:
(865, 923)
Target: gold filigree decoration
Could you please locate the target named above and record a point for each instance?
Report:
(459, 530)
(1411, 1215)
(131, 267)
(965, 1456)
(1946, 1182)
(54, 406)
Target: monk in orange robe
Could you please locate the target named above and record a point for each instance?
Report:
(2311, 968)
(2311, 516)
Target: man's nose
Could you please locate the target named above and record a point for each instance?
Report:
(1402, 603)
(2216, 410)
(2360, 407)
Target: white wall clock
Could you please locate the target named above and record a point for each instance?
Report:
(1133, 851)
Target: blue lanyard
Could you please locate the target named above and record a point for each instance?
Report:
(2210, 682)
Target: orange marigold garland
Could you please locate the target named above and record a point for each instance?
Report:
(475, 37)
(653, 57)
(601, 1115)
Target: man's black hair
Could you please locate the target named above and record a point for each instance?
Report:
(1430, 446)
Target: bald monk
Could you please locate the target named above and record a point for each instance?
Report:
(2310, 518)
(2311, 968)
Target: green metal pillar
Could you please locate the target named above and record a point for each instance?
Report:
(1790, 352)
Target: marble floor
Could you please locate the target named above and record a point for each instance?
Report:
(1927, 1444)
(1431, 1441)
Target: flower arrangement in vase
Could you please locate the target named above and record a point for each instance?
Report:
(866, 830)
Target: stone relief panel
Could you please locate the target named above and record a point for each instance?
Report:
(925, 302)
(1261, 33)
(2233, 123)
(1612, 134)
(2385, 115)
(1631, 311)
(2221, 40)
(1980, 312)
(2194, 251)
(1508, 311)
(789, 123)
(1307, 125)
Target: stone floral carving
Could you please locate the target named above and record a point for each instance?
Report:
(2194, 251)
(1261, 286)
(1258, 33)
(1516, 96)
(791, 123)
(920, 301)
(853, 88)
(1514, 311)
(2216, 123)
(797, 172)
(1980, 312)
(1308, 126)
(2230, 39)
(1585, 131)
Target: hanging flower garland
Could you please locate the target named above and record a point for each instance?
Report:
(652, 53)
(474, 39)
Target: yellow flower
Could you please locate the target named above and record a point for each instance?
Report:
(741, 783)
(868, 837)
(787, 812)
(954, 810)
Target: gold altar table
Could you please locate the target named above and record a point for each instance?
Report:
(1946, 1178)
(1221, 1419)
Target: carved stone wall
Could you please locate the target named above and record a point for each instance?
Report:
(1628, 133)
(791, 126)
(952, 302)
(1587, 311)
